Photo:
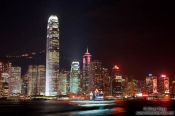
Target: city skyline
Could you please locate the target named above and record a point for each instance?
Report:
(133, 39)
(87, 57)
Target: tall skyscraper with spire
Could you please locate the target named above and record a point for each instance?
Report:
(86, 71)
(52, 56)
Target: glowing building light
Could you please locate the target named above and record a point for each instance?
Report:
(144, 95)
(116, 67)
(139, 94)
(163, 75)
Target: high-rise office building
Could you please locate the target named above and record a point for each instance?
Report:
(52, 56)
(4, 86)
(163, 84)
(86, 72)
(130, 89)
(5, 71)
(5, 74)
(151, 84)
(173, 88)
(32, 74)
(96, 75)
(118, 85)
(41, 77)
(63, 82)
(15, 81)
(75, 77)
(106, 81)
(5, 89)
(24, 85)
(5, 67)
(141, 87)
(155, 85)
(117, 82)
(36, 80)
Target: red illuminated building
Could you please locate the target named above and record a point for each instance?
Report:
(86, 72)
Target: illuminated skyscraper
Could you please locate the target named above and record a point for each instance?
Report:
(36, 80)
(75, 77)
(24, 85)
(15, 81)
(41, 79)
(155, 85)
(96, 75)
(151, 84)
(62, 82)
(106, 81)
(173, 88)
(118, 85)
(163, 84)
(52, 56)
(32, 74)
(86, 71)
(5, 73)
(118, 82)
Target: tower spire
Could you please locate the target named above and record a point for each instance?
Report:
(87, 50)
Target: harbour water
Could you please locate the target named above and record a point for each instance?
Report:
(87, 108)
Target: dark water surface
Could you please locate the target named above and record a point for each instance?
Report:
(69, 108)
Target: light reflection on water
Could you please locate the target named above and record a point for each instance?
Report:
(118, 110)
(66, 108)
(86, 113)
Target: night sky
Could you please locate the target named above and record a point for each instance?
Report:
(138, 35)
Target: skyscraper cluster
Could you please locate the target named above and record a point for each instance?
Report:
(91, 77)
